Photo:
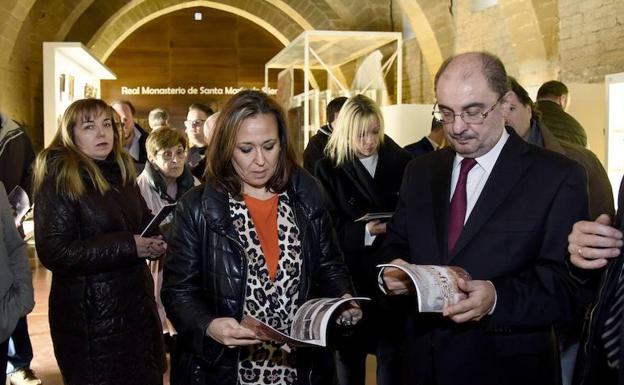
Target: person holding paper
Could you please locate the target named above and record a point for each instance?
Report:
(501, 209)
(255, 239)
(88, 211)
(163, 181)
(16, 289)
(362, 174)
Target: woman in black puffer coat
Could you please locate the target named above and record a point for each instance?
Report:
(103, 319)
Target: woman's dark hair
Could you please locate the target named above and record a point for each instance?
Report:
(220, 172)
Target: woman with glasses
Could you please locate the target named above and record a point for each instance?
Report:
(256, 240)
(361, 174)
(89, 212)
(163, 181)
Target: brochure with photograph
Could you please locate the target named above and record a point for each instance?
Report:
(385, 216)
(436, 286)
(153, 226)
(20, 203)
(309, 327)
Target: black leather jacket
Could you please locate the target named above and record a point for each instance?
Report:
(205, 278)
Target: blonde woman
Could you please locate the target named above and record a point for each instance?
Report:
(102, 313)
(362, 174)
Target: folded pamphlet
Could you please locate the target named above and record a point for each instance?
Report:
(153, 226)
(436, 286)
(309, 327)
(372, 216)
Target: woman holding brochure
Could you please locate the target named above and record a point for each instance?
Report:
(163, 181)
(254, 240)
(89, 211)
(362, 174)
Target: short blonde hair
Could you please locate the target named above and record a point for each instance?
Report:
(163, 137)
(353, 120)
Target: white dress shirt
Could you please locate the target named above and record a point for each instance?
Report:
(478, 175)
(370, 164)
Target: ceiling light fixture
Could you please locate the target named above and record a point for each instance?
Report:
(198, 16)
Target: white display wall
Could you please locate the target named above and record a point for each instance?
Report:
(70, 72)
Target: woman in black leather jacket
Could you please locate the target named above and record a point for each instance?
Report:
(219, 265)
(103, 319)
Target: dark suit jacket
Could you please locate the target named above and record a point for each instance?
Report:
(421, 147)
(516, 237)
(314, 151)
(352, 193)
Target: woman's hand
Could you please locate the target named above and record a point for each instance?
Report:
(350, 316)
(376, 227)
(150, 248)
(592, 244)
(227, 331)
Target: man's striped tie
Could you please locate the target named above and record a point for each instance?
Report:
(612, 327)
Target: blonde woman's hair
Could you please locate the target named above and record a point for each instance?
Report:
(163, 137)
(63, 161)
(353, 121)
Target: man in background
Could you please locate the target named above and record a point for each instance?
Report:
(552, 100)
(194, 123)
(316, 145)
(429, 143)
(16, 159)
(157, 118)
(133, 135)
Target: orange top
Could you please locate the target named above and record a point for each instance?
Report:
(264, 216)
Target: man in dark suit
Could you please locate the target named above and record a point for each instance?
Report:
(314, 151)
(428, 143)
(596, 252)
(499, 208)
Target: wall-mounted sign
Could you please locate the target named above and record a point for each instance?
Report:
(201, 90)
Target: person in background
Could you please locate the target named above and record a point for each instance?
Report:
(16, 289)
(362, 174)
(553, 99)
(88, 214)
(523, 117)
(134, 136)
(209, 127)
(164, 180)
(226, 257)
(16, 160)
(595, 249)
(314, 151)
(429, 143)
(194, 123)
(500, 209)
(157, 118)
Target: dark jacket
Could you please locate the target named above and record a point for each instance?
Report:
(516, 237)
(315, 150)
(196, 161)
(16, 156)
(205, 278)
(421, 147)
(591, 365)
(103, 319)
(352, 193)
(562, 124)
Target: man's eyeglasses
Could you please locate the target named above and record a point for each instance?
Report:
(446, 116)
(196, 122)
(168, 155)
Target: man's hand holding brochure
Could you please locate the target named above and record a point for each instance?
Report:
(449, 290)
